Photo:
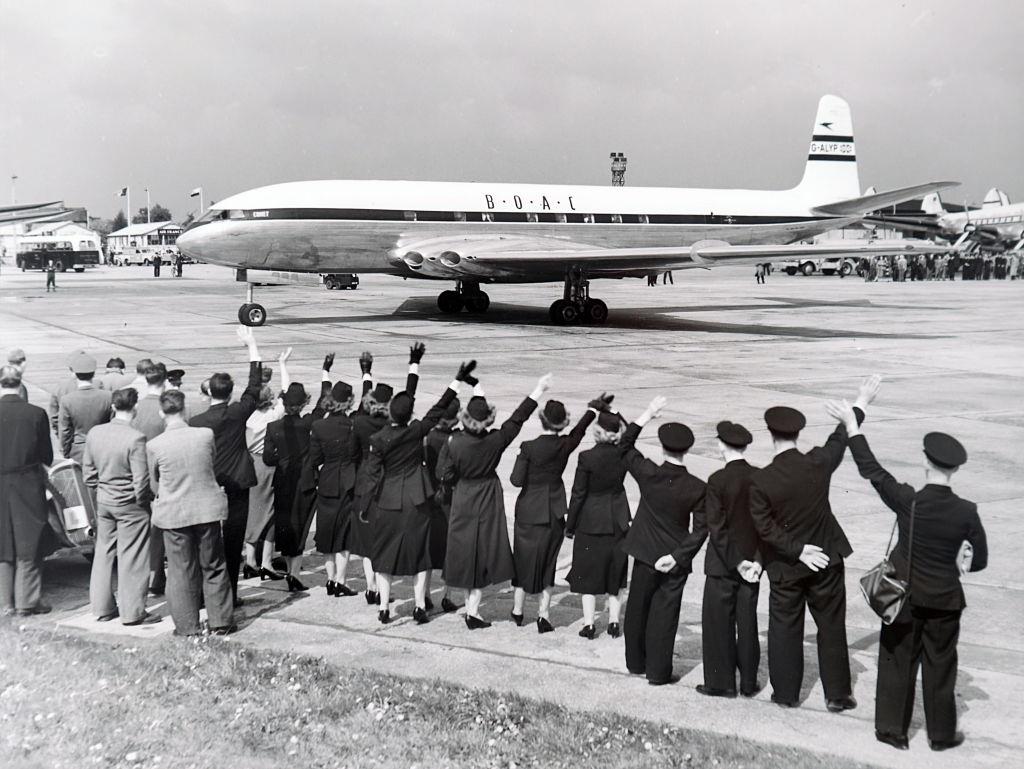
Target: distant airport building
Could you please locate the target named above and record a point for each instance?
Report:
(143, 234)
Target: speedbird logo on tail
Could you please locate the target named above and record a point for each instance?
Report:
(827, 125)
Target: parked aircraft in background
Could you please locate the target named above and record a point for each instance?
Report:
(478, 233)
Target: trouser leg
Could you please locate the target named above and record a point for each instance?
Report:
(898, 652)
(184, 580)
(940, 633)
(6, 585)
(718, 632)
(156, 561)
(220, 606)
(748, 642)
(234, 535)
(663, 624)
(101, 591)
(638, 606)
(133, 561)
(826, 598)
(28, 584)
(786, 606)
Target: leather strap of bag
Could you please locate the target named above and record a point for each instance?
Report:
(910, 545)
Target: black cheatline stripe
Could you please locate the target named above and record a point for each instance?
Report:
(840, 158)
(820, 138)
(520, 217)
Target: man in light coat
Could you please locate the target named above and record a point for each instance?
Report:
(114, 466)
(82, 409)
(189, 508)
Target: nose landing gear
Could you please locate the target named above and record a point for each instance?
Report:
(467, 295)
(577, 306)
(251, 313)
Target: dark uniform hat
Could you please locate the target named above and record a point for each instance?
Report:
(341, 391)
(554, 416)
(785, 421)
(606, 420)
(733, 434)
(295, 395)
(401, 408)
(478, 408)
(382, 393)
(944, 450)
(175, 375)
(675, 437)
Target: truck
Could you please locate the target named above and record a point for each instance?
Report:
(35, 251)
(832, 266)
(144, 256)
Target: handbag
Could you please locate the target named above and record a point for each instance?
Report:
(882, 587)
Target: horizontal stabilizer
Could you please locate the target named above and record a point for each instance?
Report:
(868, 203)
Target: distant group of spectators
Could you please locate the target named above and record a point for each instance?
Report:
(942, 267)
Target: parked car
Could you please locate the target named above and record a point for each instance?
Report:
(338, 280)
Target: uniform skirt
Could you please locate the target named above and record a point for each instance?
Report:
(294, 506)
(479, 553)
(438, 535)
(599, 566)
(401, 542)
(334, 524)
(261, 503)
(535, 552)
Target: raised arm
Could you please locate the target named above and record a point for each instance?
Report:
(578, 432)
(413, 377)
(366, 372)
(636, 463)
(835, 446)
(434, 414)
(510, 427)
(250, 397)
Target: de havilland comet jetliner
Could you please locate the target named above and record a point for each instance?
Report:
(478, 233)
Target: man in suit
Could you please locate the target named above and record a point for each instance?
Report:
(114, 467)
(926, 631)
(804, 547)
(114, 377)
(68, 385)
(149, 420)
(233, 463)
(732, 567)
(82, 409)
(190, 507)
(17, 359)
(25, 450)
(662, 546)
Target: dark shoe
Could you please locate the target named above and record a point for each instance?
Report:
(428, 604)
(266, 574)
(145, 619)
(39, 608)
(614, 631)
(543, 626)
(107, 617)
(224, 630)
(384, 616)
(751, 692)
(448, 606)
(249, 572)
(957, 741)
(785, 703)
(709, 691)
(587, 632)
(841, 704)
(518, 618)
(239, 602)
(294, 585)
(636, 672)
(897, 741)
(331, 587)
(372, 597)
(420, 616)
(475, 623)
(343, 591)
(673, 679)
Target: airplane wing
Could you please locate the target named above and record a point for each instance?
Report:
(868, 203)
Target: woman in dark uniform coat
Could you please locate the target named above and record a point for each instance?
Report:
(285, 449)
(435, 446)
(397, 482)
(540, 507)
(479, 553)
(332, 460)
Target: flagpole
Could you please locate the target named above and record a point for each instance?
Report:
(147, 205)
(128, 198)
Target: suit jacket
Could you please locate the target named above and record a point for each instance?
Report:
(149, 419)
(25, 449)
(942, 521)
(115, 466)
(233, 466)
(332, 449)
(790, 507)
(80, 411)
(669, 495)
(181, 471)
(538, 471)
(66, 386)
(732, 536)
(598, 504)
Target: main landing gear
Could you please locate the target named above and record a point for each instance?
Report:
(251, 313)
(467, 295)
(577, 306)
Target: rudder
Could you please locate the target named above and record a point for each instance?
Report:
(831, 170)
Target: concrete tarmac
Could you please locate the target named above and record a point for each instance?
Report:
(719, 347)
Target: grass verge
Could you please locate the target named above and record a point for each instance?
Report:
(67, 701)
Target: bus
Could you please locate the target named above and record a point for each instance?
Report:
(34, 251)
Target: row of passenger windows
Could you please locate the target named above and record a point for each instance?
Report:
(999, 220)
(516, 216)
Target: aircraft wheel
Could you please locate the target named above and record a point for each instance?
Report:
(449, 302)
(252, 314)
(477, 302)
(564, 313)
(596, 311)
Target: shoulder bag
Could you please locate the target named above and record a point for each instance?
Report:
(882, 587)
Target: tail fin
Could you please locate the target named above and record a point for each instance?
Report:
(831, 171)
(932, 204)
(995, 197)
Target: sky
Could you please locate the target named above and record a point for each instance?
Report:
(233, 94)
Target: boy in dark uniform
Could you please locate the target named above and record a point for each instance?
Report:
(926, 631)
(51, 275)
(662, 545)
(733, 569)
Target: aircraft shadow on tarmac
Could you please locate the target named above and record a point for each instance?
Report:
(661, 318)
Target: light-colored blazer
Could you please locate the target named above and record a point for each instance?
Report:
(79, 412)
(181, 472)
(114, 464)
